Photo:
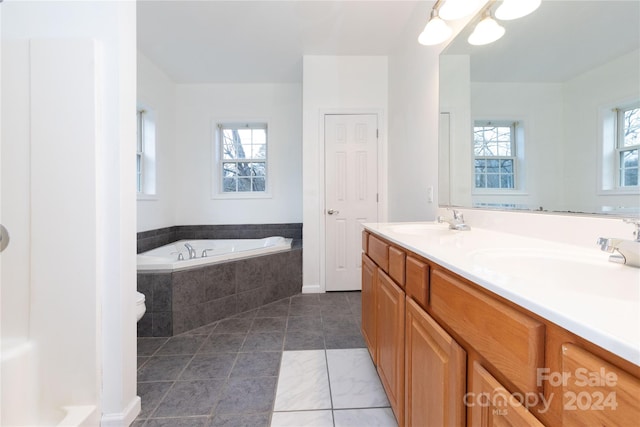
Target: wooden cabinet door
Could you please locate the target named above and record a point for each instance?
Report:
(595, 392)
(435, 372)
(490, 404)
(369, 308)
(417, 285)
(390, 342)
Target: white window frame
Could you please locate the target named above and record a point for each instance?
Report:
(517, 151)
(608, 152)
(218, 160)
(619, 148)
(146, 154)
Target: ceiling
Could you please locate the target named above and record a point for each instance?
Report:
(242, 41)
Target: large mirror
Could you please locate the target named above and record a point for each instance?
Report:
(547, 117)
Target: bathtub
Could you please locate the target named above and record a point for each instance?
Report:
(175, 256)
(20, 388)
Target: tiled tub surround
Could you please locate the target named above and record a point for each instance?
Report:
(184, 300)
(152, 239)
(180, 301)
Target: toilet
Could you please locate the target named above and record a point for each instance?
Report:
(140, 306)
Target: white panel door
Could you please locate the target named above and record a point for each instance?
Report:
(351, 193)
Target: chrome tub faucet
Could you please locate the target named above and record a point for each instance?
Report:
(192, 252)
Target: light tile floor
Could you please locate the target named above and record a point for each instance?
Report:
(299, 362)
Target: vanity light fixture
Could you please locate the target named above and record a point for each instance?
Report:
(487, 31)
(514, 9)
(456, 9)
(436, 31)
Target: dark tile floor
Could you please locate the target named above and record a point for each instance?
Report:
(225, 373)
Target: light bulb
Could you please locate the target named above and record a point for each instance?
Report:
(514, 9)
(487, 31)
(435, 32)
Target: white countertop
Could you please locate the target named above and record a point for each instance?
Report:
(574, 287)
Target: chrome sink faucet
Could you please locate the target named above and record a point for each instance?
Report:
(628, 250)
(455, 223)
(192, 252)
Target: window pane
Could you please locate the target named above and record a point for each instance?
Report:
(630, 177)
(258, 184)
(631, 127)
(493, 166)
(506, 166)
(629, 168)
(481, 181)
(231, 146)
(244, 184)
(258, 169)
(481, 165)
(492, 141)
(493, 181)
(259, 151)
(229, 185)
(506, 181)
(229, 169)
(504, 148)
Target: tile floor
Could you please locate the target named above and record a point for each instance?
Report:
(300, 361)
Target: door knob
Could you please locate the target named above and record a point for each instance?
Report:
(332, 211)
(4, 238)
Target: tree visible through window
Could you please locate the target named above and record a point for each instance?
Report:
(243, 157)
(494, 155)
(628, 145)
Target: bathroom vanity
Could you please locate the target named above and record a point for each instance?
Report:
(486, 328)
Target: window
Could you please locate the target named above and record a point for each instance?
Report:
(628, 144)
(494, 150)
(146, 153)
(242, 158)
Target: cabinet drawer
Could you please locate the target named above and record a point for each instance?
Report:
(378, 251)
(418, 281)
(396, 265)
(507, 339)
(364, 241)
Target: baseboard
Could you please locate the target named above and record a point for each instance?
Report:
(311, 289)
(123, 419)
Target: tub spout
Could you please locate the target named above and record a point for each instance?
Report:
(192, 252)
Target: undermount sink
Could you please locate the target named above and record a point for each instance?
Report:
(541, 266)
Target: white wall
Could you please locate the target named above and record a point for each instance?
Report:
(198, 108)
(156, 92)
(96, 355)
(413, 122)
(538, 107)
(455, 100)
(335, 84)
(610, 85)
